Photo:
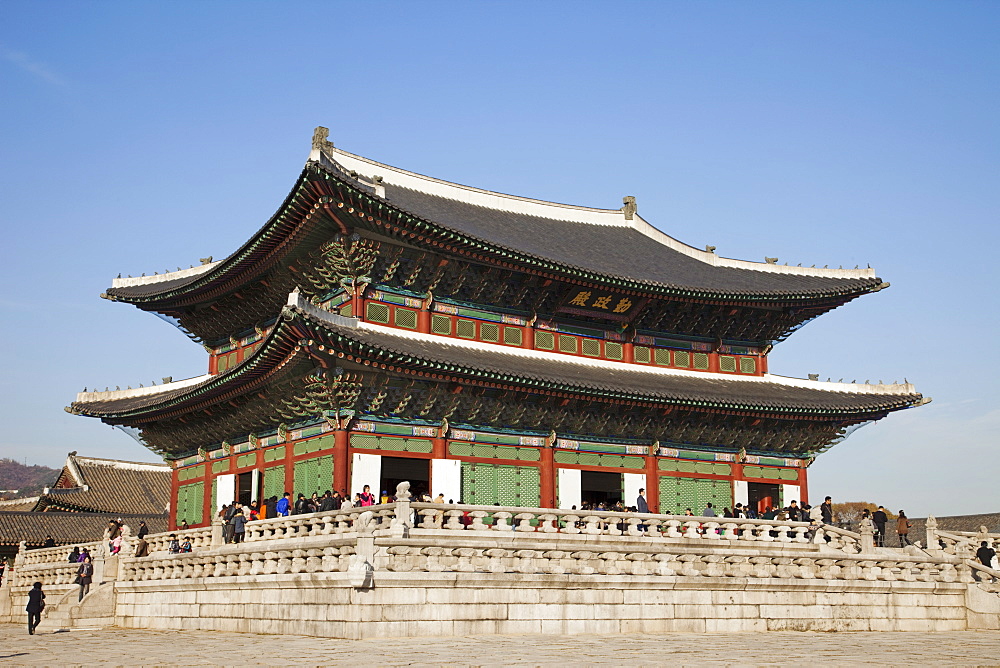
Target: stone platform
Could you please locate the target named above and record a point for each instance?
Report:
(131, 647)
(424, 570)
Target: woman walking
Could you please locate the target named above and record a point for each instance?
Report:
(36, 603)
(903, 529)
(84, 576)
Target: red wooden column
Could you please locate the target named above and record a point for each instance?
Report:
(341, 465)
(628, 354)
(439, 445)
(713, 361)
(803, 487)
(175, 485)
(528, 341)
(547, 475)
(652, 481)
(208, 508)
(762, 364)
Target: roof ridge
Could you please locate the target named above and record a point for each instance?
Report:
(541, 208)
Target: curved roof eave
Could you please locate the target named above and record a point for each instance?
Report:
(531, 370)
(834, 283)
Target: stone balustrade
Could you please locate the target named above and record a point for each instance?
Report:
(51, 574)
(51, 555)
(607, 523)
(489, 539)
(323, 523)
(311, 555)
(722, 560)
(159, 543)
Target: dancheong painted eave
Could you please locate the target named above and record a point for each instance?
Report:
(305, 329)
(578, 244)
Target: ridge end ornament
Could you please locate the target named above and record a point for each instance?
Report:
(630, 207)
(320, 139)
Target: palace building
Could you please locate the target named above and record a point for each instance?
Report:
(386, 326)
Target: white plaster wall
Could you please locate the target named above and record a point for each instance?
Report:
(741, 492)
(225, 490)
(791, 493)
(366, 470)
(632, 483)
(570, 488)
(446, 478)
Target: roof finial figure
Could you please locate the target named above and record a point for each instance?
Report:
(206, 260)
(630, 207)
(771, 260)
(320, 140)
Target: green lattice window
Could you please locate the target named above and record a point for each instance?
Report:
(748, 365)
(727, 363)
(676, 494)
(545, 340)
(191, 472)
(190, 503)
(376, 312)
(590, 347)
(465, 329)
(489, 332)
(441, 324)
(512, 336)
(405, 318)
(701, 361)
(274, 481)
(313, 475)
(246, 460)
(682, 358)
(274, 454)
(641, 354)
(661, 356)
(492, 484)
(612, 350)
(347, 310)
(567, 344)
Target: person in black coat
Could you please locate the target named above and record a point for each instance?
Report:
(143, 530)
(36, 603)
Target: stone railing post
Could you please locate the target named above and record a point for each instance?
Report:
(403, 519)
(362, 569)
(867, 539)
(217, 526)
(931, 533)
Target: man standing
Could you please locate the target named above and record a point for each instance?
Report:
(640, 502)
(880, 518)
(985, 554)
(827, 509)
(282, 508)
(794, 513)
(709, 511)
(36, 603)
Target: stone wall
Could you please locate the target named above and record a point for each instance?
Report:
(402, 569)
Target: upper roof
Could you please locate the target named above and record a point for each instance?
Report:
(613, 246)
(530, 369)
(90, 484)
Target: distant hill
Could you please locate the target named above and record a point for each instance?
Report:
(27, 480)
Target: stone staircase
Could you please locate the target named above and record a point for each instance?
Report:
(96, 610)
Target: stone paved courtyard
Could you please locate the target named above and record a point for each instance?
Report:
(140, 647)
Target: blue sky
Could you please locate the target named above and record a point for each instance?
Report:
(138, 137)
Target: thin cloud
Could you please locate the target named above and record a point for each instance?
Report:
(26, 64)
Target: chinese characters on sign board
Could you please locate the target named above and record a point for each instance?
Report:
(592, 302)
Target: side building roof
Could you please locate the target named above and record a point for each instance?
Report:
(94, 485)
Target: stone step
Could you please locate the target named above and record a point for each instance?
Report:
(93, 622)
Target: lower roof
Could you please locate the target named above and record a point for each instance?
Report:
(411, 352)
